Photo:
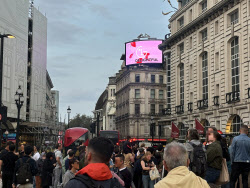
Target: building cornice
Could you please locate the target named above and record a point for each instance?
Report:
(197, 23)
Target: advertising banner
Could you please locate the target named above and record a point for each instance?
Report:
(199, 127)
(175, 131)
(143, 52)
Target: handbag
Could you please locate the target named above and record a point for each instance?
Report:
(224, 175)
(154, 174)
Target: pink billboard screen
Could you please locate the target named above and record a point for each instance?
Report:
(143, 52)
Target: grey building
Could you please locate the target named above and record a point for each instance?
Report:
(208, 53)
(140, 96)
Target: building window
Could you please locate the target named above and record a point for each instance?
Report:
(204, 76)
(161, 79)
(181, 48)
(190, 42)
(152, 78)
(137, 93)
(160, 94)
(235, 64)
(217, 61)
(216, 27)
(237, 123)
(137, 109)
(152, 108)
(190, 15)
(152, 93)
(191, 72)
(184, 2)
(137, 78)
(204, 6)
(204, 35)
(181, 22)
(182, 84)
(234, 17)
(168, 67)
(160, 108)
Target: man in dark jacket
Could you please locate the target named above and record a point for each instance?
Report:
(32, 163)
(97, 172)
(137, 179)
(6, 149)
(7, 166)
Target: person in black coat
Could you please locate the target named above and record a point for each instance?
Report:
(47, 173)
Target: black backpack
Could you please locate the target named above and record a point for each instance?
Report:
(198, 162)
(86, 180)
(24, 174)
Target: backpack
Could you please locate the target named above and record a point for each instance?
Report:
(24, 174)
(198, 162)
(88, 182)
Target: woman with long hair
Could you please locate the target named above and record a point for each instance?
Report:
(147, 165)
(214, 158)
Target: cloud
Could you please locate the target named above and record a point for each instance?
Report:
(65, 33)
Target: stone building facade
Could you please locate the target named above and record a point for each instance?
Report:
(210, 70)
(140, 97)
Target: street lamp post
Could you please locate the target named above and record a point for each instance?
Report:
(19, 98)
(152, 127)
(68, 111)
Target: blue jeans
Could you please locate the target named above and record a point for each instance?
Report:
(212, 175)
(147, 182)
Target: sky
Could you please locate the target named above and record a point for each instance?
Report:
(86, 39)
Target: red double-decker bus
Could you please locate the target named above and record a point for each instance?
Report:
(114, 136)
(74, 136)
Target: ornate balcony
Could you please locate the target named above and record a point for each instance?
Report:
(190, 107)
(166, 111)
(202, 104)
(233, 97)
(216, 101)
(179, 109)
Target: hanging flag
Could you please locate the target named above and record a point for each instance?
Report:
(175, 131)
(199, 127)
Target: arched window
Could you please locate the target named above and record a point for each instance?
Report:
(182, 84)
(235, 65)
(237, 123)
(204, 76)
(183, 130)
(205, 124)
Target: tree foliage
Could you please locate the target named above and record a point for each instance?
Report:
(81, 121)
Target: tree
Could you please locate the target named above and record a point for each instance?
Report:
(81, 121)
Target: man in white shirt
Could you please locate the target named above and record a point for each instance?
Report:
(36, 155)
(58, 168)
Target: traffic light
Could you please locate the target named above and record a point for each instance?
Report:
(3, 114)
(92, 128)
(152, 129)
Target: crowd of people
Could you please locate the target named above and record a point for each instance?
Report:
(102, 164)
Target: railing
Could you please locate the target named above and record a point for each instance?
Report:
(233, 97)
(166, 111)
(202, 104)
(179, 109)
(190, 107)
(216, 101)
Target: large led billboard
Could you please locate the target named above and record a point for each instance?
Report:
(145, 52)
